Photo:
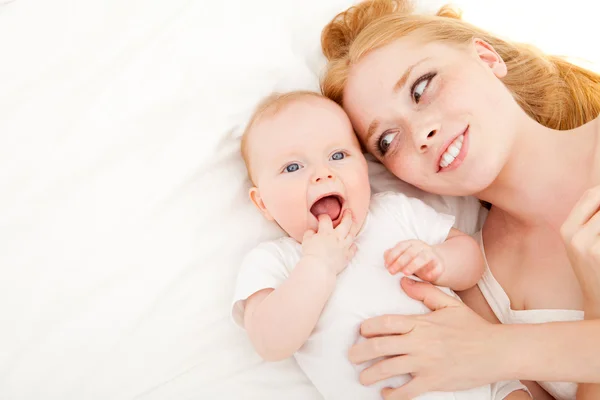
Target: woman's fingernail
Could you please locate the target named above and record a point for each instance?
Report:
(409, 281)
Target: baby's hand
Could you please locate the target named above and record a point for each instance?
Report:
(414, 257)
(334, 248)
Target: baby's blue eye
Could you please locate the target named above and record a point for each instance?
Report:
(338, 156)
(292, 167)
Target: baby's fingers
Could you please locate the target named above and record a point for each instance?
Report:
(308, 234)
(391, 255)
(352, 250)
(420, 261)
(325, 224)
(343, 229)
(431, 272)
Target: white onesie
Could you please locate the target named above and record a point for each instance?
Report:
(364, 289)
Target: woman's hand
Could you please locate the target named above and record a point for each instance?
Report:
(581, 234)
(451, 348)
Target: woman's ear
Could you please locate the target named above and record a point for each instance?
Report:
(259, 203)
(488, 55)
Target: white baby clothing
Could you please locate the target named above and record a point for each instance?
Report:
(363, 290)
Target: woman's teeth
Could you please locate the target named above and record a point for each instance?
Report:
(452, 152)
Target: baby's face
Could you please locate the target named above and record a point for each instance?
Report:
(306, 161)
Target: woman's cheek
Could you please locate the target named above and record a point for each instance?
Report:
(397, 164)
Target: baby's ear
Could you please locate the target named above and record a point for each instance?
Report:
(259, 203)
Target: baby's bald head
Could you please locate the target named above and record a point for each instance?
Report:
(268, 108)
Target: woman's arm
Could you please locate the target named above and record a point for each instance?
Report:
(474, 299)
(440, 349)
(556, 351)
(581, 234)
(453, 348)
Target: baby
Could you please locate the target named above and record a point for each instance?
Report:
(306, 295)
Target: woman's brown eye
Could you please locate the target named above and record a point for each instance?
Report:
(420, 85)
(385, 142)
(419, 89)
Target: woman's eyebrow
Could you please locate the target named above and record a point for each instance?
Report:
(372, 128)
(402, 81)
(397, 87)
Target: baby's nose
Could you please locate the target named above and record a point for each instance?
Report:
(323, 177)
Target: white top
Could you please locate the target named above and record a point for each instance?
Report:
(364, 289)
(500, 304)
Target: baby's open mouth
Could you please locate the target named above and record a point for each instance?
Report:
(330, 205)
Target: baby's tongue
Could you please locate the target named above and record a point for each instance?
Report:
(327, 205)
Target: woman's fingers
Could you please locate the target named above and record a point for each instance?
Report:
(387, 325)
(586, 207)
(585, 245)
(588, 233)
(430, 295)
(384, 369)
(448, 349)
(382, 346)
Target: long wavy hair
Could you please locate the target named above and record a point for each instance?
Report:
(553, 91)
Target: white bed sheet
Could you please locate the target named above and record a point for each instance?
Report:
(123, 205)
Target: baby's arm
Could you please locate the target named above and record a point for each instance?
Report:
(518, 395)
(456, 263)
(279, 321)
(462, 261)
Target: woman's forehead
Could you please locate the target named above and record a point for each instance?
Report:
(395, 58)
(381, 73)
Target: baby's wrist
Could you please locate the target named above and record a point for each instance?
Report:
(322, 264)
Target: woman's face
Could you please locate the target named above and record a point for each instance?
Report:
(435, 114)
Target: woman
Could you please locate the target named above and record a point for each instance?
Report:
(456, 111)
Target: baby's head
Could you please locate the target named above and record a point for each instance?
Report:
(304, 160)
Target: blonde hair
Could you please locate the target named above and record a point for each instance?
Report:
(269, 107)
(554, 92)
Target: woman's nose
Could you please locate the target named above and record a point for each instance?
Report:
(425, 140)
